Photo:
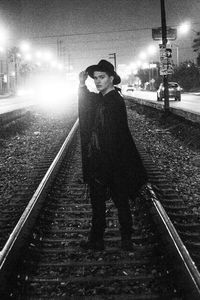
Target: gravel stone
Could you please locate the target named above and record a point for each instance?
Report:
(174, 148)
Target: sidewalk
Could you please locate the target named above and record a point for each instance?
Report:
(196, 93)
(6, 96)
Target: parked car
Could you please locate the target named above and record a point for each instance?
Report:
(130, 88)
(174, 91)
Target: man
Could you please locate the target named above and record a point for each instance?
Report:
(110, 159)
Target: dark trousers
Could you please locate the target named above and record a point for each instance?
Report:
(99, 195)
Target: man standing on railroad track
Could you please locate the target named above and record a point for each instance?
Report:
(110, 161)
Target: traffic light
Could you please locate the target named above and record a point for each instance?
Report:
(168, 52)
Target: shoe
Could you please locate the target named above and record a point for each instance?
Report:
(92, 245)
(127, 245)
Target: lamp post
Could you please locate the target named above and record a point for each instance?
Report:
(177, 54)
(183, 29)
(113, 56)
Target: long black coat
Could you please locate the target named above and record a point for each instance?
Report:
(107, 146)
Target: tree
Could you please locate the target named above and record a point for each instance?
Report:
(143, 74)
(147, 75)
(187, 75)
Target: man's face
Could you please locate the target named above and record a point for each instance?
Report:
(102, 81)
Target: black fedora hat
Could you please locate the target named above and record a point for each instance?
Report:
(104, 66)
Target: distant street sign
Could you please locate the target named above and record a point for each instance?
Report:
(157, 33)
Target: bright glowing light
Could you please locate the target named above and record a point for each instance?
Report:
(60, 66)
(47, 55)
(54, 92)
(3, 36)
(2, 49)
(25, 92)
(124, 71)
(145, 65)
(13, 73)
(152, 66)
(25, 46)
(53, 64)
(38, 54)
(152, 49)
(133, 65)
(142, 55)
(28, 57)
(184, 28)
(138, 63)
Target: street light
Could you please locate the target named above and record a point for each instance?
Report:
(184, 28)
(25, 46)
(152, 49)
(142, 55)
(3, 37)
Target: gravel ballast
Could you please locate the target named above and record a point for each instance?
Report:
(174, 146)
(25, 142)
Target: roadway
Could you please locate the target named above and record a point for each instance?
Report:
(189, 101)
(9, 104)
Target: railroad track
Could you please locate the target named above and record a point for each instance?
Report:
(57, 218)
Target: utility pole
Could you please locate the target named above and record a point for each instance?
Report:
(164, 43)
(113, 56)
(59, 48)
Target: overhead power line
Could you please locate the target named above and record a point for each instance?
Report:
(88, 33)
(97, 32)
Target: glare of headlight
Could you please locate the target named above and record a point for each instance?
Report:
(25, 92)
(55, 94)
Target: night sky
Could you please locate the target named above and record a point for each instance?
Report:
(88, 30)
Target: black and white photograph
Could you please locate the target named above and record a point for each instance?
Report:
(99, 149)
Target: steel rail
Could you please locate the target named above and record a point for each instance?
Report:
(21, 231)
(189, 275)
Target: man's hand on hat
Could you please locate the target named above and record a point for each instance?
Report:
(82, 77)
